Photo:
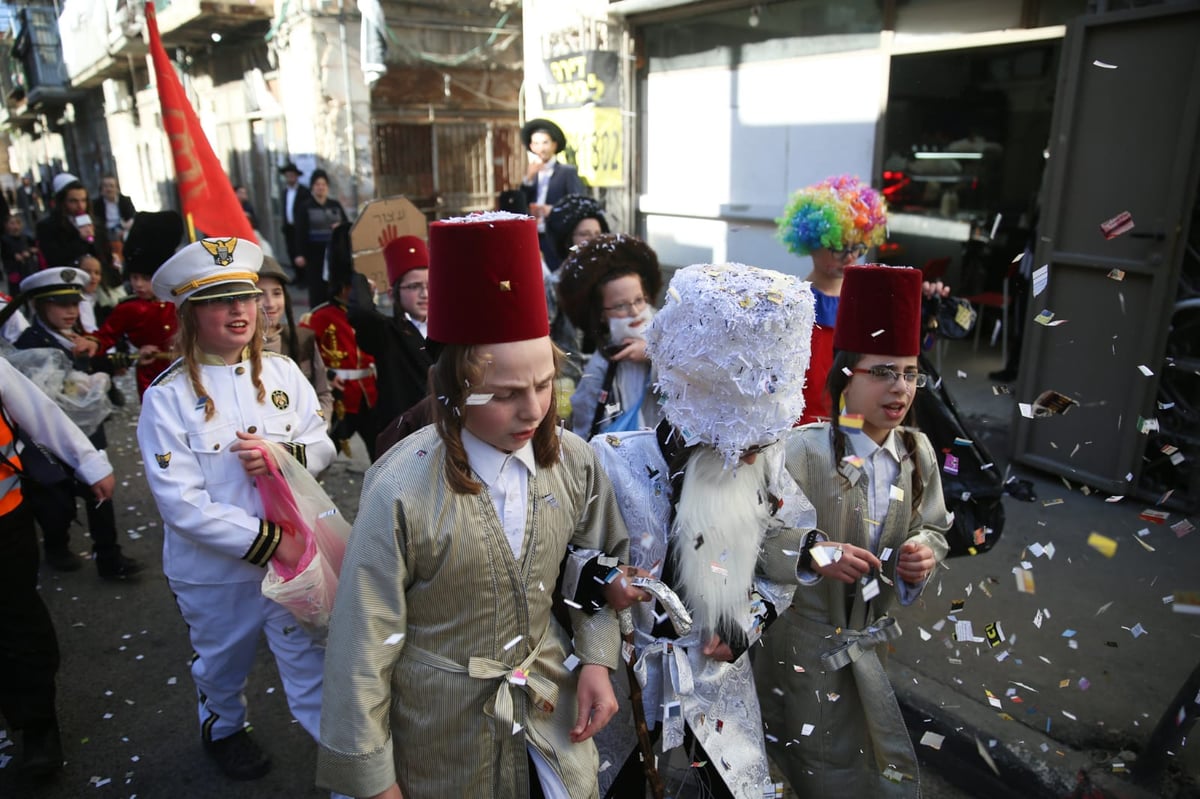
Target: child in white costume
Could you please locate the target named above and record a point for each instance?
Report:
(198, 425)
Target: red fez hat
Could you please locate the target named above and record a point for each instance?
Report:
(485, 280)
(879, 312)
(403, 255)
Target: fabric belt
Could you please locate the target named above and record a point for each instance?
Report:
(541, 689)
(669, 659)
(354, 374)
(859, 642)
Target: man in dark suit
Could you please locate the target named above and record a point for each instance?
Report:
(29, 201)
(295, 196)
(112, 210)
(547, 180)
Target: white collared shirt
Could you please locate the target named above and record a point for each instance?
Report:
(507, 479)
(422, 327)
(289, 204)
(543, 181)
(882, 467)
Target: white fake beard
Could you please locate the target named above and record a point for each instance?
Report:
(622, 328)
(719, 523)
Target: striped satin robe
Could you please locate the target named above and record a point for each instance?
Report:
(444, 661)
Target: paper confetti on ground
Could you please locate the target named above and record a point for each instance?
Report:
(932, 740)
(1102, 544)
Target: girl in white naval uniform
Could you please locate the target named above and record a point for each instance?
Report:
(199, 422)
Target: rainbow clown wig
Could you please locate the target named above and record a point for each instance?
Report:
(837, 214)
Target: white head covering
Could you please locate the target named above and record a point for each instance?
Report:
(62, 180)
(231, 264)
(731, 345)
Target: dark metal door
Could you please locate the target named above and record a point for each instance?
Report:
(1123, 139)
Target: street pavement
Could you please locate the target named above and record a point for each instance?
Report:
(1045, 704)
(1089, 660)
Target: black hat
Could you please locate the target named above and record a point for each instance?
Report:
(152, 239)
(566, 214)
(600, 260)
(318, 174)
(554, 131)
(290, 167)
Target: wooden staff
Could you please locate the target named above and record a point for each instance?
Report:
(639, 712)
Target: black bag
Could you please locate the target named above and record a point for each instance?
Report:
(978, 519)
(37, 463)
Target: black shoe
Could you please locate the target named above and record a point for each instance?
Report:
(43, 756)
(239, 757)
(1004, 375)
(116, 397)
(116, 566)
(64, 560)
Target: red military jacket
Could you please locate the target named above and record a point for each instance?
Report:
(143, 322)
(339, 351)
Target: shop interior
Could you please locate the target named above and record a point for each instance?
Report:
(964, 154)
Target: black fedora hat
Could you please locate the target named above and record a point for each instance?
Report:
(290, 166)
(554, 131)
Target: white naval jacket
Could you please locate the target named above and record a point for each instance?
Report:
(213, 530)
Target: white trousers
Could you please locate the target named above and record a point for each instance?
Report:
(224, 623)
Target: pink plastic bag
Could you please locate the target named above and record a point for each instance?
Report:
(293, 499)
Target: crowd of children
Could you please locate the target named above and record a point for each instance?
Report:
(494, 550)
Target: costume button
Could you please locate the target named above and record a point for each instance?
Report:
(251, 429)
(216, 446)
(241, 370)
(288, 428)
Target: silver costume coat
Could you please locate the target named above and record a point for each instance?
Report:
(716, 699)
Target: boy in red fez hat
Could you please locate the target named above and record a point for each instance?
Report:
(399, 343)
(877, 492)
(447, 674)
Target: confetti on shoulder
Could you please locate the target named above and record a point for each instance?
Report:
(393, 639)
(1103, 64)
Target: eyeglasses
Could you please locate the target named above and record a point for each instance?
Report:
(420, 288)
(628, 308)
(883, 373)
(857, 250)
(248, 299)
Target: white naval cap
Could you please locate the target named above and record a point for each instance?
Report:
(62, 180)
(59, 283)
(210, 267)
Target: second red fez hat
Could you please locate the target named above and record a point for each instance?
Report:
(879, 312)
(485, 280)
(403, 255)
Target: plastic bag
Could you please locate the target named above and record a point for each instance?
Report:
(294, 500)
(83, 397)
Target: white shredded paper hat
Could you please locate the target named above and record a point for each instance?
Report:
(731, 345)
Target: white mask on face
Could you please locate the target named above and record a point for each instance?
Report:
(625, 327)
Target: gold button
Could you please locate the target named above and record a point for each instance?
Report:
(241, 370)
(251, 429)
(288, 428)
(216, 446)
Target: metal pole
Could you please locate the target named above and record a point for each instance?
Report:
(352, 152)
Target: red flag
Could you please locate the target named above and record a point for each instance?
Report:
(204, 189)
